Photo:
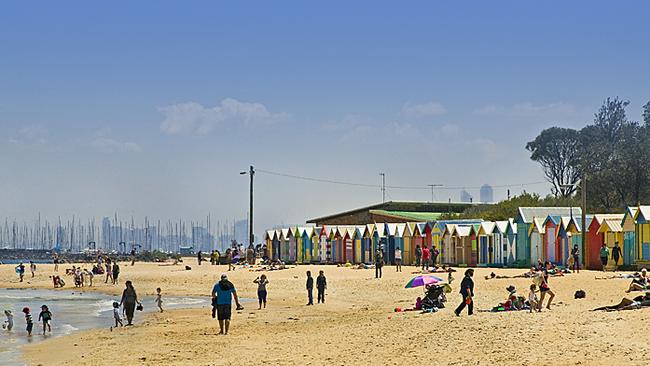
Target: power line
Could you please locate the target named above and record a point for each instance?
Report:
(355, 184)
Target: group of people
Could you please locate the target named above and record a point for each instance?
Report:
(425, 257)
(45, 316)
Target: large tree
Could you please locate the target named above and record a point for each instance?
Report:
(556, 149)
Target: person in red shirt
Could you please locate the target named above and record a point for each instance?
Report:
(426, 255)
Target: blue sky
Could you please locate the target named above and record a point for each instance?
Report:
(152, 108)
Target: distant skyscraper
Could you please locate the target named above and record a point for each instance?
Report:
(241, 231)
(487, 193)
(465, 196)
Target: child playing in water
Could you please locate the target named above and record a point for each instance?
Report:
(9, 323)
(116, 314)
(45, 316)
(532, 297)
(29, 321)
(159, 299)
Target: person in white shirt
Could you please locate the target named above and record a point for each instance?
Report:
(398, 259)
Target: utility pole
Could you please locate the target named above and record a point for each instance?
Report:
(432, 186)
(251, 237)
(583, 182)
(383, 187)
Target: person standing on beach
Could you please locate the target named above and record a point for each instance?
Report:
(575, 253)
(32, 268)
(544, 288)
(467, 292)
(128, 302)
(616, 254)
(434, 256)
(133, 257)
(418, 255)
(199, 257)
(229, 259)
(379, 262)
(55, 259)
(321, 286)
(261, 290)
(310, 289)
(224, 291)
(109, 271)
(604, 255)
(116, 272)
(20, 269)
(398, 259)
(426, 255)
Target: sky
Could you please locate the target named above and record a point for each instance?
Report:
(152, 108)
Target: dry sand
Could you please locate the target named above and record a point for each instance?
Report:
(356, 326)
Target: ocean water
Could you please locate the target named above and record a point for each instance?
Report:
(71, 311)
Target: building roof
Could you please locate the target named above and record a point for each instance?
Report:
(610, 225)
(408, 215)
(463, 231)
(406, 206)
(502, 226)
(643, 214)
(599, 218)
(526, 214)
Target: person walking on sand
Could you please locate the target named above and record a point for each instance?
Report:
(321, 286)
(20, 269)
(379, 262)
(604, 255)
(426, 256)
(224, 291)
(544, 288)
(159, 299)
(46, 317)
(261, 290)
(467, 293)
(575, 253)
(398, 259)
(310, 289)
(32, 268)
(199, 257)
(418, 255)
(616, 255)
(229, 259)
(116, 314)
(128, 302)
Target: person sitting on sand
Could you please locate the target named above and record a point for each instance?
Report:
(641, 283)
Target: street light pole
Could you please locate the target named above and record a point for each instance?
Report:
(383, 187)
(251, 237)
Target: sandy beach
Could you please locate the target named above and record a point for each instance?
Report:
(356, 325)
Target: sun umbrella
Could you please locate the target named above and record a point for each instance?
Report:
(422, 281)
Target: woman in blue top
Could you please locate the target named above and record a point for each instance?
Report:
(222, 294)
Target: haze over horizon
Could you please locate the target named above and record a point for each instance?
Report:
(153, 109)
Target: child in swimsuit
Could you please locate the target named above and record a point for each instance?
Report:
(159, 299)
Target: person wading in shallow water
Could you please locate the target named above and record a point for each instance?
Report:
(129, 300)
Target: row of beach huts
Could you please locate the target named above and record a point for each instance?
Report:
(537, 233)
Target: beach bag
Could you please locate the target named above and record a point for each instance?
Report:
(139, 307)
(580, 294)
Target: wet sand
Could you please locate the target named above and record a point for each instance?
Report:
(357, 324)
